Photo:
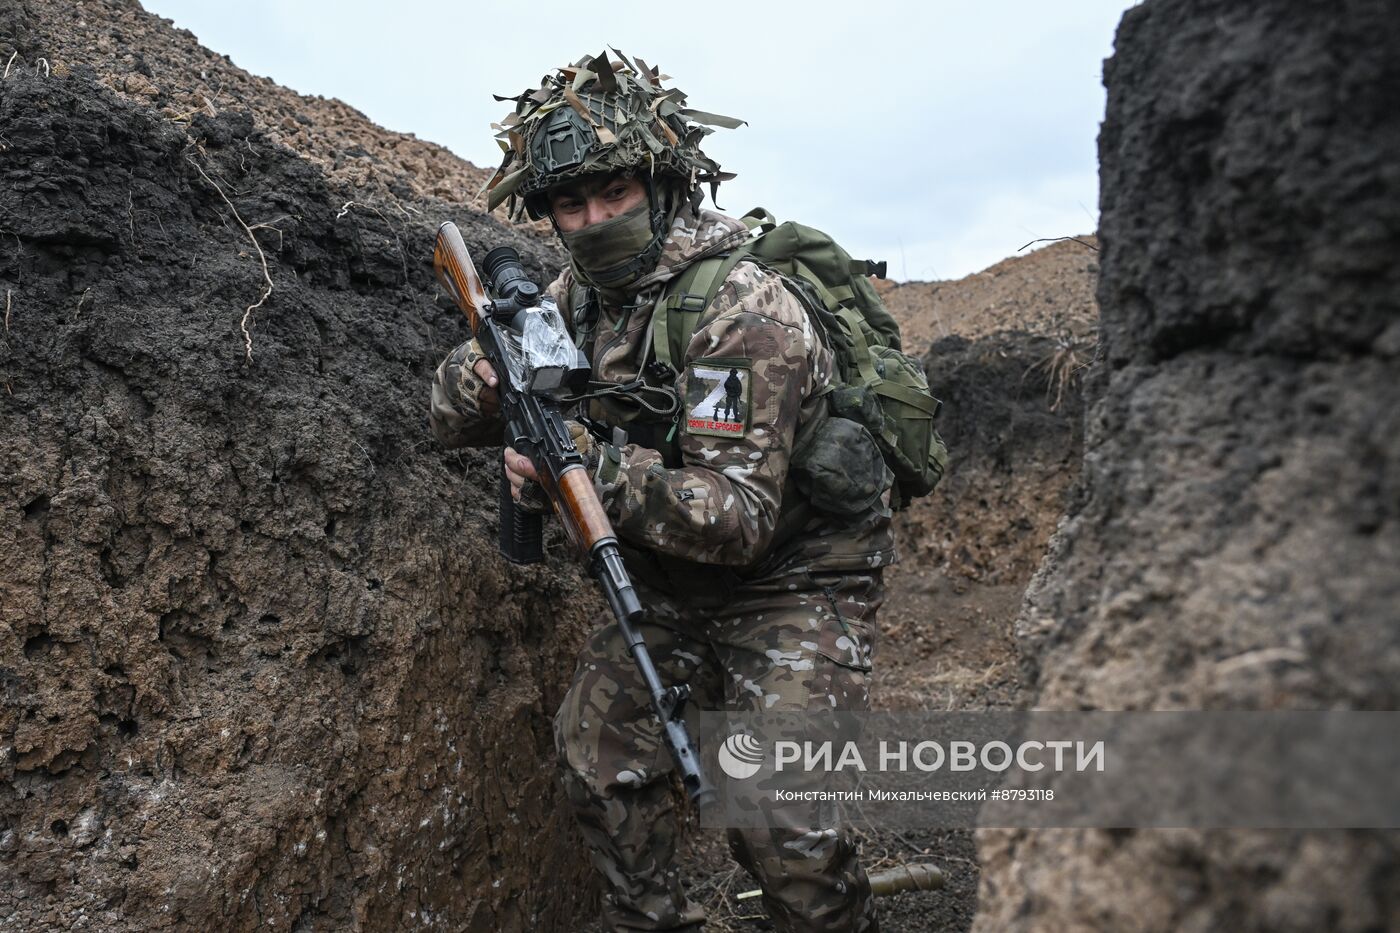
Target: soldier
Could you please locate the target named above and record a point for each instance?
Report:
(733, 388)
(762, 589)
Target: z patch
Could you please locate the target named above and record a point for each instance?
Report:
(718, 394)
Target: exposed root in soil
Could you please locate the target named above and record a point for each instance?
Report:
(398, 241)
(723, 909)
(730, 896)
(206, 106)
(243, 325)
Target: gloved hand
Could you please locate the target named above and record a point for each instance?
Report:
(524, 481)
(471, 382)
(587, 444)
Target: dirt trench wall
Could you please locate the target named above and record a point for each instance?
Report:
(1014, 435)
(1235, 542)
(260, 667)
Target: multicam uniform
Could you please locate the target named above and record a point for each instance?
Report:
(757, 600)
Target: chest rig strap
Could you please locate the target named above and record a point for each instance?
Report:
(654, 397)
(584, 303)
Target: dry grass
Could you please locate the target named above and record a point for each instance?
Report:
(946, 687)
(1062, 365)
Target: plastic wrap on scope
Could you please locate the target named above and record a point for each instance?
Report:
(543, 343)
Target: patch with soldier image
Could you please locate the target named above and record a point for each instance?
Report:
(717, 397)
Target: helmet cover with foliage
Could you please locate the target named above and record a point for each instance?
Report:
(600, 115)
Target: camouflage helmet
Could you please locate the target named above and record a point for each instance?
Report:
(600, 115)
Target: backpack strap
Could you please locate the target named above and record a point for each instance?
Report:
(834, 297)
(922, 401)
(687, 296)
(759, 219)
(678, 312)
(860, 350)
(865, 365)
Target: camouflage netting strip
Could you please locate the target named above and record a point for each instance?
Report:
(636, 119)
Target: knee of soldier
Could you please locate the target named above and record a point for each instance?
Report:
(582, 733)
(571, 727)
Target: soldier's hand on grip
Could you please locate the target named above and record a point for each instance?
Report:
(470, 383)
(486, 397)
(522, 476)
(525, 489)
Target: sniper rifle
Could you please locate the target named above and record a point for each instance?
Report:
(523, 337)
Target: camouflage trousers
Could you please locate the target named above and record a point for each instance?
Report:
(795, 643)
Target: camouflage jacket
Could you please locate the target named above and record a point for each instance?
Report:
(726, 513)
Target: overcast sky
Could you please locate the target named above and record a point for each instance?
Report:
(939, 136)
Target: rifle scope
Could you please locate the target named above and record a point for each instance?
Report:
(508, 279)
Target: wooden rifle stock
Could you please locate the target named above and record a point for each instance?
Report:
(454, 268)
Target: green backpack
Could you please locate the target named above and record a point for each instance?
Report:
(876, 386)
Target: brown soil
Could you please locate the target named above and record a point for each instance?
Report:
(260, 666)
(1046, 291)
(146, 60)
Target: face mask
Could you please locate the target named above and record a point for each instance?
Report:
(607, 254)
